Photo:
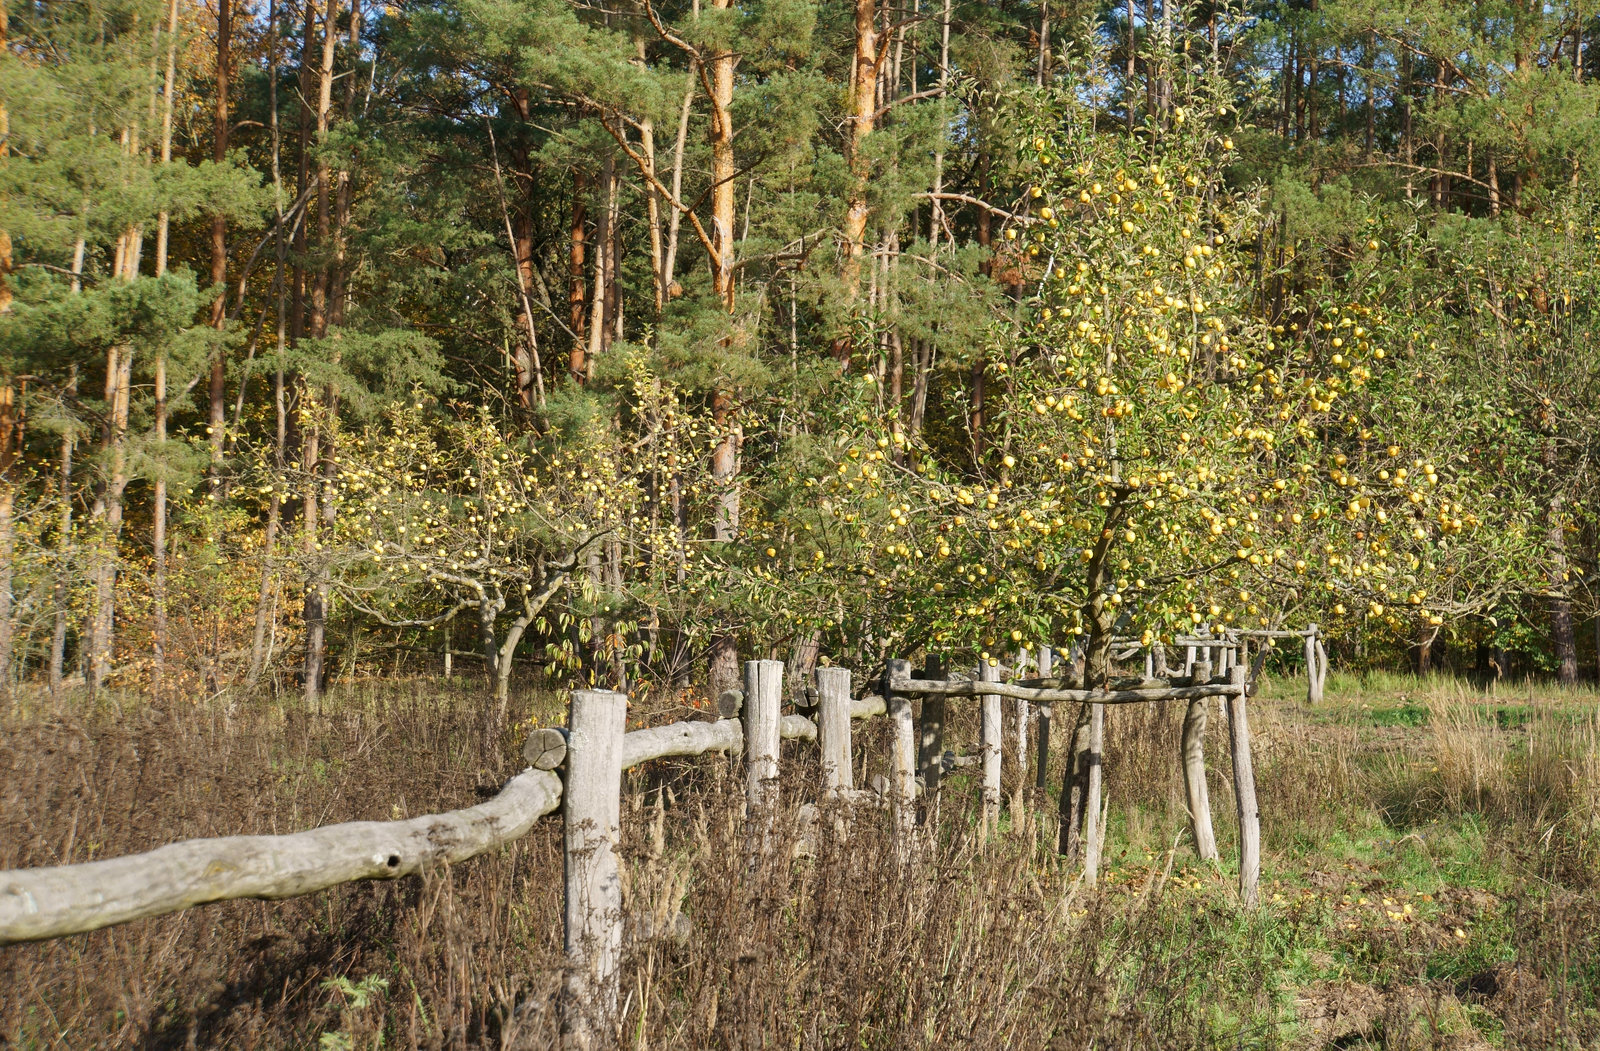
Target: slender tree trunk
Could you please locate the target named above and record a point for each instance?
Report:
(1370, 89)
(725, 457)
(61, 597)
(1132, 71)
(577, 362)
(669, 265)
(264, 593)
(10, 449)
(5, 150)
(598, 329)
(314, 614)
(119, 366)
(862, 119)
(652, 203)
(614, 300)
(216, 389)
(1561, 628)
(158, 511)
(269, 540)
(723, 170)
(316, 597)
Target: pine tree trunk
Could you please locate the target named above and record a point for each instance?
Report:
(313, 456)
(723, 171)
(264, 593)
(119, 366)
(216, 389)
(862, 119)
(61, 596)
(10, 447)
(6, 263)
(313, 614)
(576, 362)
(158, 537)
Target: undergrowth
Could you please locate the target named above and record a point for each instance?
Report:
(1428, 881)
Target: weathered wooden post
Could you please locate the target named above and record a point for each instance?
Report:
(1093, 833)
(903, 747)
(1313, 680)
(833, 730)
(930, 734)
(1188, 659)
(1244, 791)
(1042, 729)
(1192, 755)
(1149, 662)
(1022, 712)
(592, 807)
(990, 743)
(763, 715)
(1322, 666)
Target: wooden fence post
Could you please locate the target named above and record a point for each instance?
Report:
(1193, 757)
(1313, 681)
(763, 714)
(592, 807)
(833, 730)
(930, 734)
(1322, 666)
(1041, 730)
(1188, 659)
(903, 748)
(1093, 833)
(1023, 712)
(989, 743)
(1244, 791)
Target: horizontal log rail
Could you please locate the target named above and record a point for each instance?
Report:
(1056, 694)
(71, 899)
(57, 900)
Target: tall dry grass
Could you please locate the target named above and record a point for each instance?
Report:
(832, 939)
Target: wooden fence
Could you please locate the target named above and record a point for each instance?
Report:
(1233, 646)
(579, 769)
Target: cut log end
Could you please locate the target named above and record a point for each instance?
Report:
(546, 748)
(730, 703)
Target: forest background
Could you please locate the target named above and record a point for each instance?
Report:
(630, 341)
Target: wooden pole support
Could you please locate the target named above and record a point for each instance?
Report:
(1093, 819)
(903, 748)
(930, 733)
(592, 807)
(763, 704)
(989, 744)
(1023, 712)
(1191, 753)
(1313, 695)
(1244, 791)
(1041, 731)
(833, 729)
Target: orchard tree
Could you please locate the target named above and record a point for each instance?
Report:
(1171, 452)
(441, 517)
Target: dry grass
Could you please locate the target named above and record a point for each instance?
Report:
(1482, 822)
